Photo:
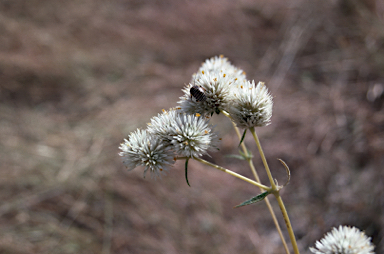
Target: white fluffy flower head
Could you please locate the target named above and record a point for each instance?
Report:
(192, 136)
(251, 105)
(216, 87)
(188, 135)
(144, 149)
(344, 240)
(220, 64)
(162, 124)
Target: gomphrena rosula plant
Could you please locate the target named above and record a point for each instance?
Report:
(184, 133)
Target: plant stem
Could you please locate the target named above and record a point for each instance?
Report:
(273, 185)
(287, 222)
(261, 186)
(271, 211)
(276, 193)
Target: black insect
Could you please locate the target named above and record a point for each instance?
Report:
(198, 93)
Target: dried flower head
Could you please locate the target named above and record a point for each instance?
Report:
(188, 135)
(220, 64)
(251, 105)
(344, 240)
(192, 136)
(145, 149)
(163, 124)
(216, 89)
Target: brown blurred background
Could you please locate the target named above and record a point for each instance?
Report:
(76, 77)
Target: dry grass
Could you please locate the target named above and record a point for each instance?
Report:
(77, 76)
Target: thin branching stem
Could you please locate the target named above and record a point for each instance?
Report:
(287, 222)
(270, 208)
(256, 138)
(276, 193)
(261, 186)
(257, 178)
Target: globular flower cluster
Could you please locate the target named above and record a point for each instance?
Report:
(169, 135)
(226, 89)
(344, 240)
(189, 135)
(220, 64)
(143, 149)
(215, 77)
(252, 105)
(218, 86)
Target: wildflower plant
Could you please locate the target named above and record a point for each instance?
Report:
(184, 133)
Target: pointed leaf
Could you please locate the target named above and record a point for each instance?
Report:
(186, 171)
(242, 155)
(236, 156)
(242, 138)
(246, 157)
(256, 199)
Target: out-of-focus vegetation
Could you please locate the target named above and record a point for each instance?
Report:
(77, 76)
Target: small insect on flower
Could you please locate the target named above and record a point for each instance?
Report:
(198, 93)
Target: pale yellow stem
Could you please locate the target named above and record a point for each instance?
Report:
(273, 185)
(250, 162)
(276, 193)
(287, 222)
(261, 186)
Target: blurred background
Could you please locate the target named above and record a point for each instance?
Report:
(76, 77)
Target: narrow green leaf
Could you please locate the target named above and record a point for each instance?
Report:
(242, 138)
(242, 155)
(186, 171)
(256, 199)
(246, 157)
(236, 156)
